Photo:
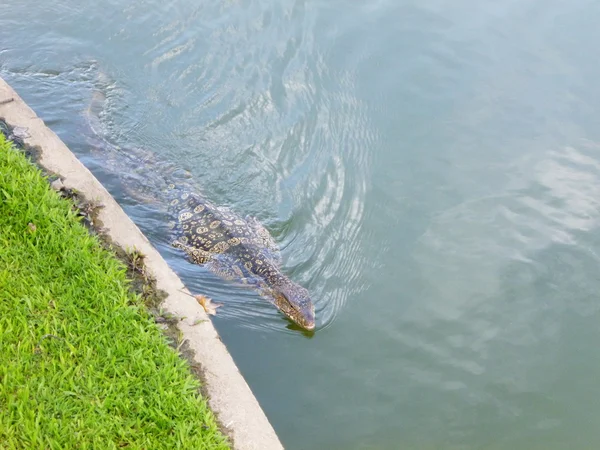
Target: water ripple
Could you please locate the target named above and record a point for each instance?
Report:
(276, 152)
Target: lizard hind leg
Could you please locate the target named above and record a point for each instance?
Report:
(225, 268)
(229, 269)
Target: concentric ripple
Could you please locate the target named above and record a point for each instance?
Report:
(270, 148)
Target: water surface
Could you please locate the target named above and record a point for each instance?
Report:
(430, 169)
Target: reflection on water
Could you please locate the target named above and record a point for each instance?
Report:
(430, 170)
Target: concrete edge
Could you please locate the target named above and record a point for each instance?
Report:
(229, 396)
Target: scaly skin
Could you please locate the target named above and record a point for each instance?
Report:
(232, 247)
(237, 249)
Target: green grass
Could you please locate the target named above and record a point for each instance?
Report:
(82, 364)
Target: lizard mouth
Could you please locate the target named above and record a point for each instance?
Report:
(303, 322)
(309, 327)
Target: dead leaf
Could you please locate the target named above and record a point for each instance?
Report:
(32, 227)
(207, 304)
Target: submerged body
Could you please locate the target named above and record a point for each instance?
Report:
(236, 249)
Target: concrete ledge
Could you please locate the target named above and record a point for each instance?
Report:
(228, 393)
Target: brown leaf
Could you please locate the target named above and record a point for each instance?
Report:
(32, 227)
(207, 304)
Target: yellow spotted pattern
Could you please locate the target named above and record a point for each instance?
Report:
(185, 216)
(204, 231)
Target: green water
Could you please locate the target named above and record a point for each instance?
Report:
(431, 170)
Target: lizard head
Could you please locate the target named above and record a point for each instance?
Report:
(294, 301)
